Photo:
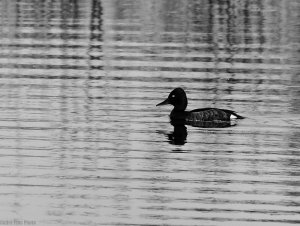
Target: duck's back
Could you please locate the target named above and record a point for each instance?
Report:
(211, 114)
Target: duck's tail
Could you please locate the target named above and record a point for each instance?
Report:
(233, 114)
(237, 115)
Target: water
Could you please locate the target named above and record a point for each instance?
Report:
(82, 142)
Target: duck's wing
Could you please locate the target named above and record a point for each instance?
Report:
(212, 114)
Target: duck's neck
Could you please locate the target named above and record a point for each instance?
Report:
(178, 109)
(178, 114)
(181, 106)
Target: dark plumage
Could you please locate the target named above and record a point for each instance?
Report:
(178, 99)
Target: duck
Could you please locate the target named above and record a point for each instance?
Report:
(178, 99)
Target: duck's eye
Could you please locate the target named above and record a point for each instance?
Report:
(173, 96)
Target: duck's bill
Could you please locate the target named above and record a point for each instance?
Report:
(164, 102)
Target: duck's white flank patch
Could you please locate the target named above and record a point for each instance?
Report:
(233, 116)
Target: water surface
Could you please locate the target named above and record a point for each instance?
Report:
(82, 142)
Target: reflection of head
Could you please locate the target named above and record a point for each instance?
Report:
(178, 136)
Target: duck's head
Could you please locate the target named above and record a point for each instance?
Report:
(177, 98)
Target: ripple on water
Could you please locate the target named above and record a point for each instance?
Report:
(83, 143)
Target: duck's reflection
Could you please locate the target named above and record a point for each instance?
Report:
(179, 135)
(211, 124)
